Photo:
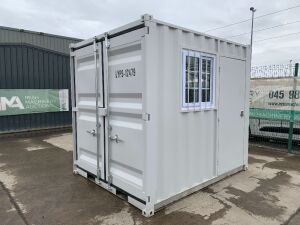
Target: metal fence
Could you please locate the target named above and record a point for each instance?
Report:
(275, 106)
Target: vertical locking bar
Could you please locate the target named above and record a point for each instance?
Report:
(106, 91)
(97, 108)
(73, 98)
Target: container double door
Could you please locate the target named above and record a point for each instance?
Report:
(119, 136)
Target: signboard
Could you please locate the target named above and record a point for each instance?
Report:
(274, 98)
(28, 101)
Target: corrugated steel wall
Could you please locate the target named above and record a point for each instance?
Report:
(32, 60)
(29, 67)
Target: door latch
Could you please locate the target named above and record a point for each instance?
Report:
(115, 138)
(242, 113)
(92, 132)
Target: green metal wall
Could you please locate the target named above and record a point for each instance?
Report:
(33, 60)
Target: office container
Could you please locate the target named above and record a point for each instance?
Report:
(159, 111)
(34, 60)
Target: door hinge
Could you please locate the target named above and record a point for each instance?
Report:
(242, 113)
(146, 116)
(74, 109)
(107, 43)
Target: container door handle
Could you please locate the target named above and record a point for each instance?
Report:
(115, 138)
(92, 132)
(242, 113)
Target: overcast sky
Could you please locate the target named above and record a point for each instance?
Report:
(84, 19)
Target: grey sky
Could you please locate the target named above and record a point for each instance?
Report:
(84, 19)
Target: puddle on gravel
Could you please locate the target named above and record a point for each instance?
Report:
(63, 141)
(261, 201)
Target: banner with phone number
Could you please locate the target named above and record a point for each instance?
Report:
(275, 98)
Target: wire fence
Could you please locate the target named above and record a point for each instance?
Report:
(273, 71)
(275, 106)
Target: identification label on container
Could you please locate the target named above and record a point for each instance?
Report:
(28, 101)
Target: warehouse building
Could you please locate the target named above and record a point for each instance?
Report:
(34, 80)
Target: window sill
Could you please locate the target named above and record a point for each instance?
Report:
(186, 110)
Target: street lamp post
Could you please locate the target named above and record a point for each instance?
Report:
(253, 10)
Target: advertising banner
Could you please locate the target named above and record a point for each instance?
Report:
(275, 98)
(28, 101)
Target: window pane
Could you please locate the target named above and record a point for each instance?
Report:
(186, 95)
(191, 94)
(203, 65)
(196, 95)
(205, 79)
(208, 65)
(192, 79)
(205, 95)
(193, 63)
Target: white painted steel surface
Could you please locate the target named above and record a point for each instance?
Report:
(231, 114)
(152, 149)
(126, 86)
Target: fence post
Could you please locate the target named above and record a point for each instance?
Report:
(292, 114)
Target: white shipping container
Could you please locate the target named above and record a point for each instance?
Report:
(170, 115)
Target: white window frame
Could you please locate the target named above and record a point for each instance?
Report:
(186, 106)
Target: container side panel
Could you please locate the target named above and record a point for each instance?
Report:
(185, 142)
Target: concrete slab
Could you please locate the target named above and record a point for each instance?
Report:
(38, 187)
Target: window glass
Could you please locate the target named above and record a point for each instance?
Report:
(205, 79)
(192, 79)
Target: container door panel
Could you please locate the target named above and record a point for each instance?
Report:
(126, 124)
(231, 114)
(85, 82)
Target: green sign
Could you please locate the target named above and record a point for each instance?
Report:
(273, 114)
(28, 101)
